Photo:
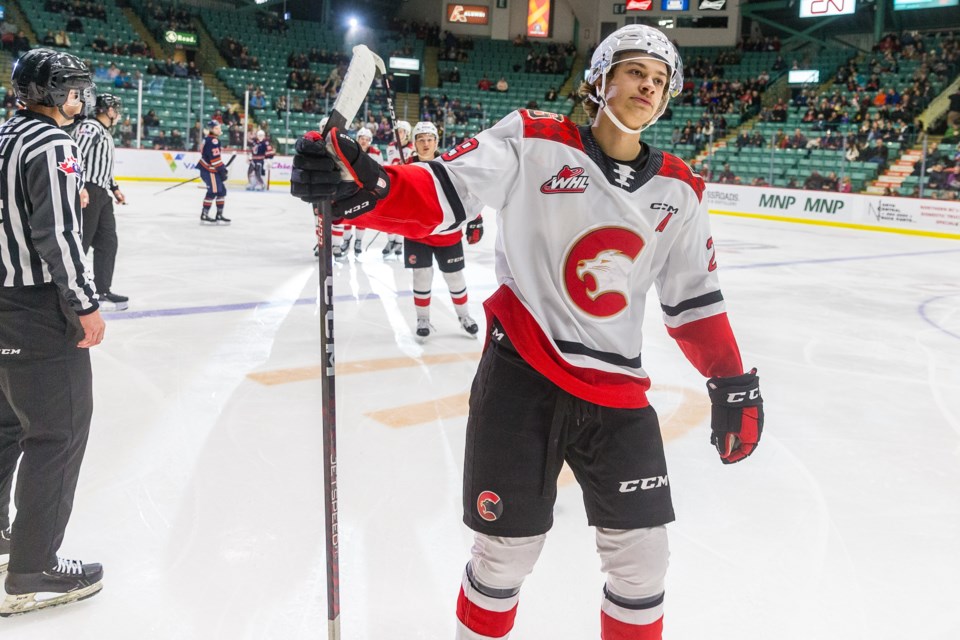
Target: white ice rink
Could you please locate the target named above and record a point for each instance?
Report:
(201, 492)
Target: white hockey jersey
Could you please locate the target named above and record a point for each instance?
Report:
(393, 156)
(374, 152)
(582, 239)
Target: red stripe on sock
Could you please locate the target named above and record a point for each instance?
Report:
(492, 624)
(461, 300)
(613, 629)
(422, 302)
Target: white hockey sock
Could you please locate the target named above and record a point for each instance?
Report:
(422, 281)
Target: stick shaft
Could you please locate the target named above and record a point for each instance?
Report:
(329, 420)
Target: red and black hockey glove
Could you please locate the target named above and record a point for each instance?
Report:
(475, 230)
(337, 170)
(737, 419)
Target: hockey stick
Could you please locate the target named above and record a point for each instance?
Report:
(356, 83)
(180, 184)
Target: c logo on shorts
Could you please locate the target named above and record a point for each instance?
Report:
(489, 506)
(597, 268)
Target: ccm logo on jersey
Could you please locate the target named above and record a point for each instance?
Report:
(489, 506)
(568, 180)
(670, 209)
(644, 484)
(9, 352)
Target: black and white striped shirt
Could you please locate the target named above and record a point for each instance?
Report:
(40, 182)
(96, 152)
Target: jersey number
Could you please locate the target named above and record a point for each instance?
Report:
(713, 255)
(461, 149)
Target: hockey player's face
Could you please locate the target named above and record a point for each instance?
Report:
(426, 145)
(364, 142)
(635, 89)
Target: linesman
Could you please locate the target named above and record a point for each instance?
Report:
(95, 141)
(50, 319)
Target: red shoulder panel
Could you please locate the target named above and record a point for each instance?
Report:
(674, 167)
(550, 126)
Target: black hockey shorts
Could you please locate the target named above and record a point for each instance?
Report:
(522, 428)
(417, 255)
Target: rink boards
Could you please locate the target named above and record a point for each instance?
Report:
(938, 218)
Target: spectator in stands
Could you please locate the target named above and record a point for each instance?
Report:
(953, 112)
(126, 132)
(61, 39)
(550, 95)
(49, 39)
(502, 85)
(74, 25)
(196, 136)
(831, 182)
(759, 181)
(484, 84)
(743, 139)
(814, 181)
(797, 140)
(150, 120)
(878, 153)
(727, 176)
(176, 139)
(160, 141)
(846, 186)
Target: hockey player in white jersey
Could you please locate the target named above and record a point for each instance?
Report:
(589, 220)
(395, 156)
(446, 248)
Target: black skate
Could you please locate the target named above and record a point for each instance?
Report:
(316, 251)
(357, 247)
(387, 248)
(110, 301)
(398, 248)
(4, 550)
(206, 219)
(423, 328)
(337, 252)
(69, 581)
(469, 325)
(221, 220)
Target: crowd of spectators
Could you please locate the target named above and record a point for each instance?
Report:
(237, 54)
(77, 9)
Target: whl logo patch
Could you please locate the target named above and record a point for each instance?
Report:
(568, 180)
(489, 506)
(71, 166)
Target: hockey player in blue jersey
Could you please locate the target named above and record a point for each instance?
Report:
(214, 174)
(260, 152)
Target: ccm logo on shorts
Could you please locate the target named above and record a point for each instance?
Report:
(489, 506)
(644, 484)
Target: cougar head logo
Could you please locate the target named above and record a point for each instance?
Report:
(608, 270)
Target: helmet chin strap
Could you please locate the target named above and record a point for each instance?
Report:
(604, 109)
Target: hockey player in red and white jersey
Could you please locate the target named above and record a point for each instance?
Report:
(446, 248)
(404, 155)
(589, 220)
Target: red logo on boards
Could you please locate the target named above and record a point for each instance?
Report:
(568, 180)
(489, 506)
(596, 272)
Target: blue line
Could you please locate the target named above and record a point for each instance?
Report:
(922, 310)
(246, 306)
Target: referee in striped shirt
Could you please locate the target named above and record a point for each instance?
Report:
(99, 223)
(49, 318)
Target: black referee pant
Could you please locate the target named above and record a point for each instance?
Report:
(46, 404)
(100, 234)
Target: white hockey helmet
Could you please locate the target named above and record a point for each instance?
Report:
(403, 125)
(261, 134)
(426, 128)
(646, 43)
(364, 133)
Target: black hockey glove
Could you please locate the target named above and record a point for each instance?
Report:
(737, 418)
(474, 230)
(337, 170)
(223, 173)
